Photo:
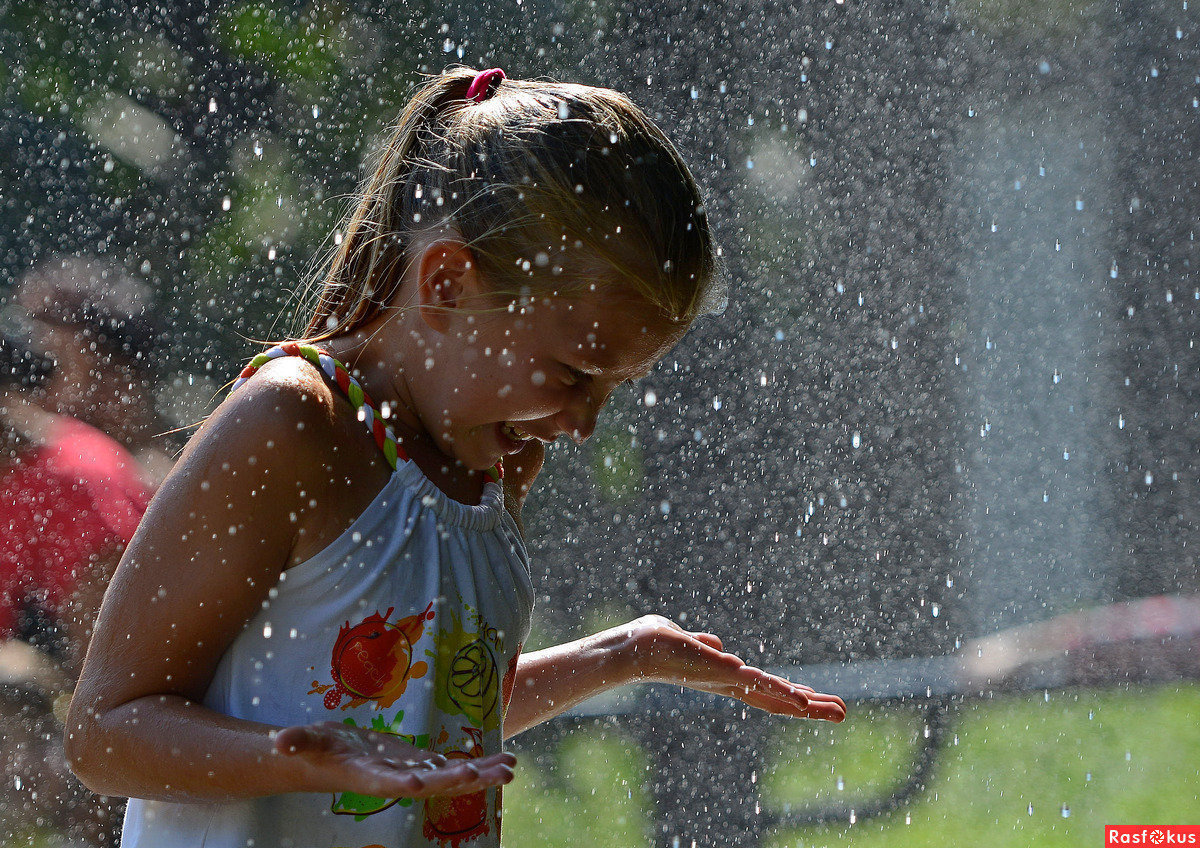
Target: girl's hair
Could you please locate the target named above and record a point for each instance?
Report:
(553, 186)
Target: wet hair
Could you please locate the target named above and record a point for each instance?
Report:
(553, 186)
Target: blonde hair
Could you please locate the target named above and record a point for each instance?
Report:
(553, 186)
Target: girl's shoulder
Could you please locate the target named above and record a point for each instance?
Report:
(285, 413)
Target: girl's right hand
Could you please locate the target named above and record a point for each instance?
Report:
(382, 765)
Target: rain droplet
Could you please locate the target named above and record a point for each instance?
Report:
(267, 630)
(1066, 811)
(650, 398)
(841, 784)
(856, 440)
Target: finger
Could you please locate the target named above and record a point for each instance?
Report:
(459, 777)
(823, 707)
(710, 640)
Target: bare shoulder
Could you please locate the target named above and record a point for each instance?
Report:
(284, 414)
(222, 527)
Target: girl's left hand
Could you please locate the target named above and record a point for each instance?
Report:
(662, 651)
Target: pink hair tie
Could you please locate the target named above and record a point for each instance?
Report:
(484, 83)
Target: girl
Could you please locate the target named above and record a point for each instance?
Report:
(314, 638)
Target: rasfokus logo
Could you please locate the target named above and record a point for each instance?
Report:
(1151, 834)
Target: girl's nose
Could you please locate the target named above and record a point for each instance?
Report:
(578, 418)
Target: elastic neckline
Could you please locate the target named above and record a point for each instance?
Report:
(484, 515)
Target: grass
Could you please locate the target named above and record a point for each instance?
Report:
(1047, 769)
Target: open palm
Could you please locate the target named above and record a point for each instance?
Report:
(666, 653)
(382, 765)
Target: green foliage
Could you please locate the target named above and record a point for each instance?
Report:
(1110, 756)
(618, 468)
(597, 799)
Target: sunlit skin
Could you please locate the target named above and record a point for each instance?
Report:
(283, 467)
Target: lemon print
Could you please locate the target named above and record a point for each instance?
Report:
(473, 681)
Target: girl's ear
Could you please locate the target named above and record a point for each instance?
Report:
(446, 279)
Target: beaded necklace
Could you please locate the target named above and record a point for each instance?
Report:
(340, 375)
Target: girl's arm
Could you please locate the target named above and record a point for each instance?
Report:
(651, 649)
(212, 544)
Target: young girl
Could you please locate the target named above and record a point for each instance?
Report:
(315, 637)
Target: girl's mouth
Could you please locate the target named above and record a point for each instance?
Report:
(512, 437)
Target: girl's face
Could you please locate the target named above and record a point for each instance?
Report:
(544, 369)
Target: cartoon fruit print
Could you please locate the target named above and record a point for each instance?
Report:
(473, 680)
(459, 818)
(373, 659)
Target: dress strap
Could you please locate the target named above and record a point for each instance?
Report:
(341, 377)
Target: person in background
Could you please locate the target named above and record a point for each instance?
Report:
(72, 498)
(99, 326)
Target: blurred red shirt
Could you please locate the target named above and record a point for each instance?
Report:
(75, 497)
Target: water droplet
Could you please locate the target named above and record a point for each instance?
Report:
(1029, 809)
(650, 398)
(267, 630)
(841, 784)
(1066, 811)
(1149, 478)
(936, 610)
(856, 440)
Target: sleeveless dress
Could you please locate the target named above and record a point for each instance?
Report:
(411, 622)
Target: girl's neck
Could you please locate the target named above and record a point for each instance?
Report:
(377, 362)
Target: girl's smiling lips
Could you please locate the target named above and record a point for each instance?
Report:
(506, 431)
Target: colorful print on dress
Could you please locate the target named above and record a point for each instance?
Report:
(372, 661)
(453, 820)
(467, 674)
(361, 806)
